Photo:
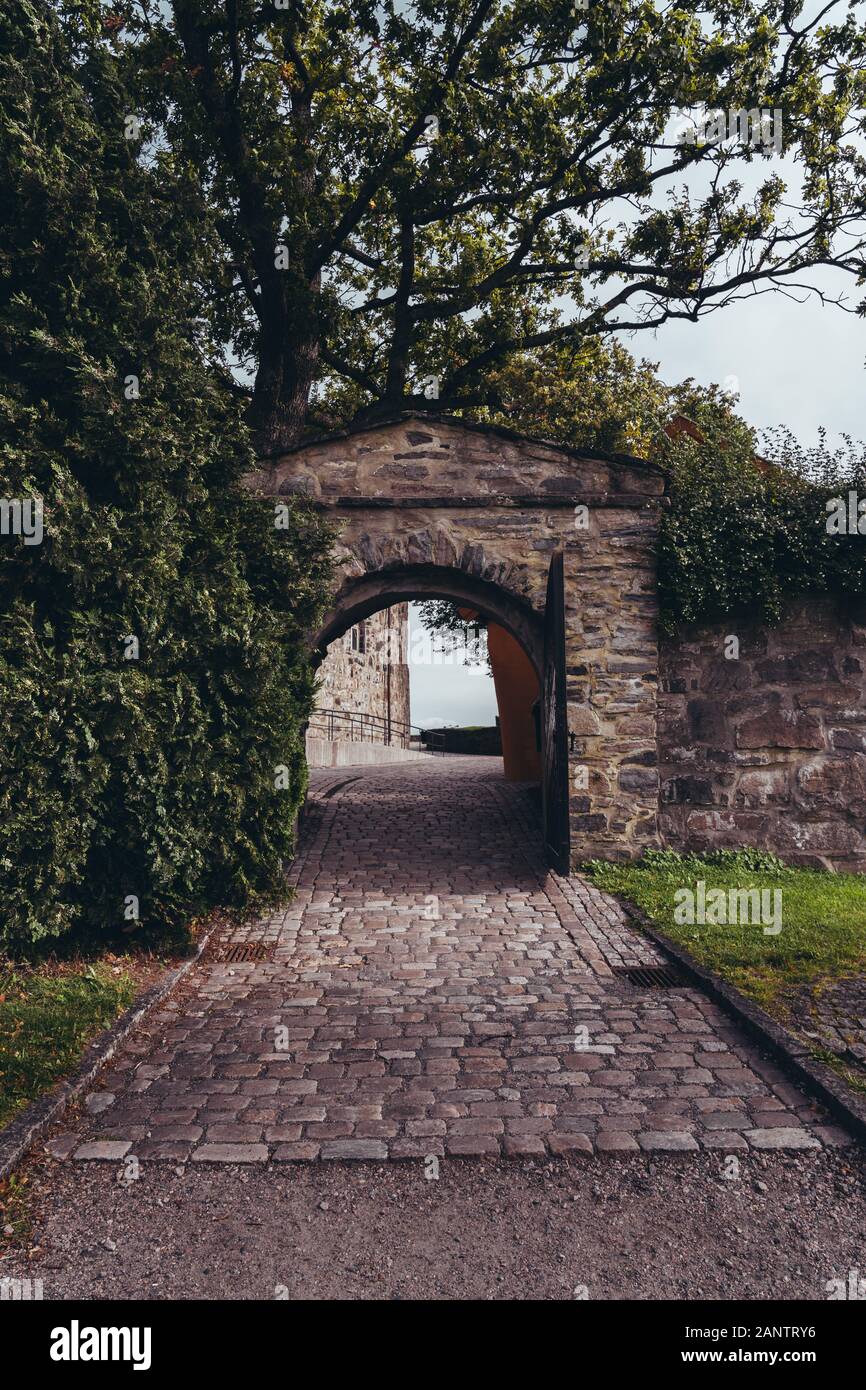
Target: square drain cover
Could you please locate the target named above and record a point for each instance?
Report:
(651, 976)
(228, 952)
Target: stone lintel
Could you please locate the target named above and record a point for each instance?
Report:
(532, 501)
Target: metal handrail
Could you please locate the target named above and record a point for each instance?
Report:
(361, 726)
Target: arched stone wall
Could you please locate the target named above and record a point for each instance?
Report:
(360, 596)
(434, 507)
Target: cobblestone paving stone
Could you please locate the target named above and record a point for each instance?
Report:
(832, 1015)
(432, 989)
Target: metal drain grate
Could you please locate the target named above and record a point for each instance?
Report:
(228, 952)
(651, 976)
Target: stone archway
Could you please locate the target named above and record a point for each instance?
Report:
(434, 506)
(359, 597)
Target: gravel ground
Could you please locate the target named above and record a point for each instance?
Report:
(624, 1228)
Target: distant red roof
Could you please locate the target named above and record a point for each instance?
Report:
(681, 424)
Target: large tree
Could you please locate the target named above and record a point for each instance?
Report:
(397, 192)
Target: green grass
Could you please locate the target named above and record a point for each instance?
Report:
(47, 1017)
(823, 936)
(16, 1214)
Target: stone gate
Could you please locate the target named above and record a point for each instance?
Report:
(555, 544)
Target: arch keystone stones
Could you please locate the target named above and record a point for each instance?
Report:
(431, 506)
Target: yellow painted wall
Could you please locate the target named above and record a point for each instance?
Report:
(517, 690)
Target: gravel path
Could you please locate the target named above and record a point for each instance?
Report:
(623, 1228)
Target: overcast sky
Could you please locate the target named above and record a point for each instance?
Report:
(796, 364)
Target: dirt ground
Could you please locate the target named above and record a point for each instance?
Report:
(632, 1228)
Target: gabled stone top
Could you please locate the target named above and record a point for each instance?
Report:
(434, 459)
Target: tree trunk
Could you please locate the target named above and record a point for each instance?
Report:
(281, 396)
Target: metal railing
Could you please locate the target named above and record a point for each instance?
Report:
(356, 727)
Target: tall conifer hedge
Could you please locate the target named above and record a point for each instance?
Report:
(153, 672)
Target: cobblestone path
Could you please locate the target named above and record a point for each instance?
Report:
(432, 989)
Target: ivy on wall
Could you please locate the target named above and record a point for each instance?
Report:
(743, 534)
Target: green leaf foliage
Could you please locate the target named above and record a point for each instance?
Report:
(744, 534)
(151, 777)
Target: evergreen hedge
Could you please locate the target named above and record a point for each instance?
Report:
(151, 779)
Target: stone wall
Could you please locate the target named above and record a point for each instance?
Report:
(768, 750)
(612, 683)
(674, 744)
(430, 507)
(323, 752)
(366, 669)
